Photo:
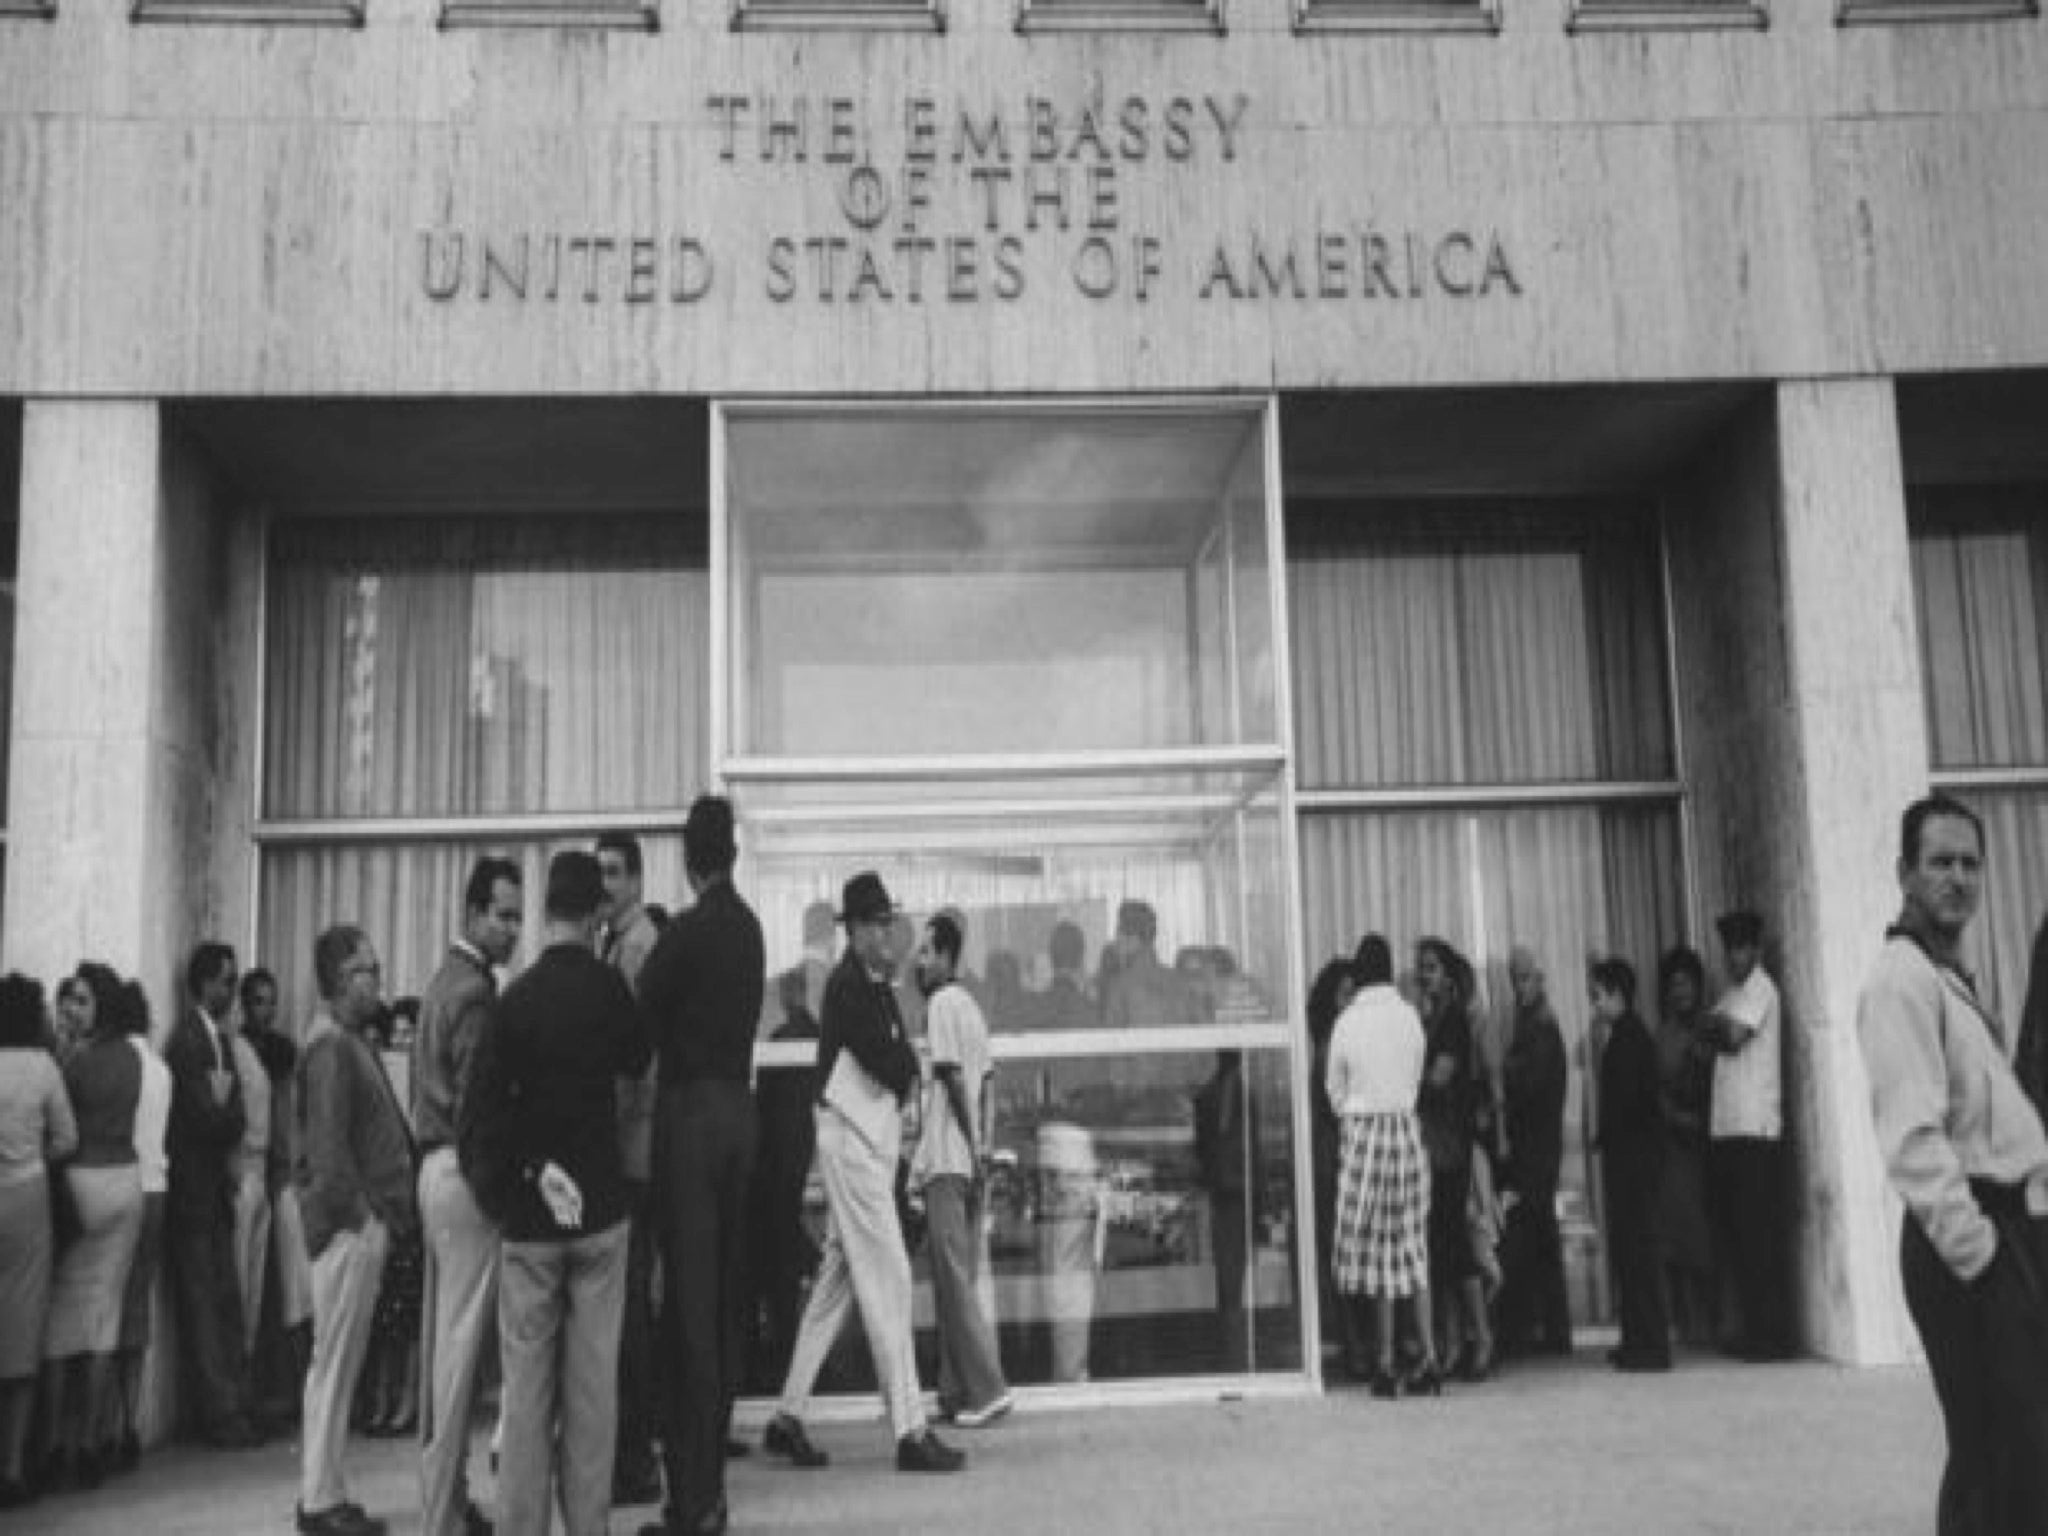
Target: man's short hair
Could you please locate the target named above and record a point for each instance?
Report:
(1373, 963)
(575, 886)
(1740, 929)
(1069, 947)
(1616, 975)
(252, 979)
(1137, 920)
(708, 846)
(333, 950)
(626, 846)
(21, 1011)
(946, 936)
(1926, 809)
(484, 876)
(208, 960)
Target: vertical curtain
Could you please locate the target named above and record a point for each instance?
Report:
(408, 898)
(1418, 661)
(461, 667)
(1978, 594)
(1490, 646)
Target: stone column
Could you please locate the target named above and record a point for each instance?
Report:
(127, 813)
(1799, 694)
(125, 756)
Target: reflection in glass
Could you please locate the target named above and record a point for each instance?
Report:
(1129, 911)
(973, 581)
(1137, 1223)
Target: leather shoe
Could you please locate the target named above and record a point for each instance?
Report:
(785, 1436)
(341, 1520)
(1638, 1360)
(927, 1453)
(712, 1522)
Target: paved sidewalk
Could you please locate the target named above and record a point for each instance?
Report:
(1559, 1446)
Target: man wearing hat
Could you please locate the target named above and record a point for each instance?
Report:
(868, 1071)
(1745, 1169)
(700, 992)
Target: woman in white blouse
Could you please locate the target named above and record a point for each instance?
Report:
(1381, 1245)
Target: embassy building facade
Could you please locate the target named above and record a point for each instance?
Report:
(1524, 471)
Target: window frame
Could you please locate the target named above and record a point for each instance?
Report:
(1854, 13)
(277, 13)
(839, 15)
(1122, 16)
(1667, 15)
(1469, 16)
(625, 15)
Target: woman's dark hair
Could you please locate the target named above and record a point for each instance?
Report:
(21, 1012)
(1372, 963)
(104, 983)
(1455, 969)
(131, 1009)
(1681, 961)
(1617, 976)
(1322, 999)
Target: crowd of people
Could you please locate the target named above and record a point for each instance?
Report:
(1437, 1169)
(116, 1161)
(341, 1260)
(351, 1264)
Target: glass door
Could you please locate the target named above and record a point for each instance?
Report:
(1022, 661)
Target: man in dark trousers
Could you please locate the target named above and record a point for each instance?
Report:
(1533, 1081)
(1968, 1157)
(204, 1132)
(625, 942)
(539, 1140)
(700, 993)
(786, 1100)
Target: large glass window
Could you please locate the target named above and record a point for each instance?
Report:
(1980, 585)
(1021, 662)
(1485, 755)
(437, 688)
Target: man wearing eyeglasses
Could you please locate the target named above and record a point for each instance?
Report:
(355, 1185)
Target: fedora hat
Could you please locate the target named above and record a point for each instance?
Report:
(864, 899)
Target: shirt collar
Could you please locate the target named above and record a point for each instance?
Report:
(1916, 932)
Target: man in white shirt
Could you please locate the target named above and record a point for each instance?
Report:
(1745, 1162)
(947, 1167)
(1966, 1153)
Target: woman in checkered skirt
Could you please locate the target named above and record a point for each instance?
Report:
(1381, 1245)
